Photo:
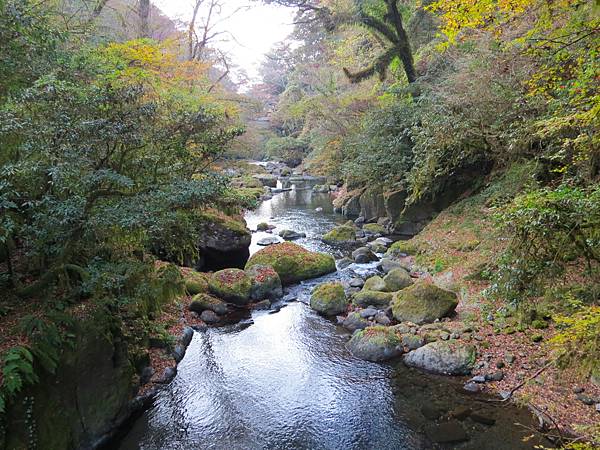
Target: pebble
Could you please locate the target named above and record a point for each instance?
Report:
(368, 312)
(471, 387)
(510, 358)
(496, 376)
(578, 390)
(382, 319)
(478, 379)
(357, 282)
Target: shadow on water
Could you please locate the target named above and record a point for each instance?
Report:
(288, 382)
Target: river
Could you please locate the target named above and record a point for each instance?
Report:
(284, 379)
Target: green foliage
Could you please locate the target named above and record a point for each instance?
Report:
(549, 228)
(288, 149)
(17, 371)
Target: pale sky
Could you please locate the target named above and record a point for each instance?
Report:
(255, 29)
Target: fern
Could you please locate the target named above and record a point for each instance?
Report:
(17, 372)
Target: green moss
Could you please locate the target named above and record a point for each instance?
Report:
(230, 223)
(423, 303)
(537, 338)
(374, 228)
(403, 247)
(539, 324)
(380, 335)
(292, 262)
(263, 226)
(203, 302)
(372, 298)
(195, 282)
(329, 299)
(340, 234)
(232, 285)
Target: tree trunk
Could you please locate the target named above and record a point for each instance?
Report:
(403, 43)
(144, 14)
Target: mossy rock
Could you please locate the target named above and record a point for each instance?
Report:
(374, 228)
(231, 285)
(263, 226)
(376, 343)
(366, 298)
(400, 248)
(443, 357)
(340, 235)
(195, 282)
(206, 302)
(423, 303)
(397, 279)
(266, 283)
(292, 262)
(375, 283)
(329, 299)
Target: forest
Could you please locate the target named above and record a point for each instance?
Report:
(458, 138)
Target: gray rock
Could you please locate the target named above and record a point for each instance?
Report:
(366, 298)
(496, 376)
(290, 235)
(423, 303)
(264, 304)
(412, 341)
(387, 264)
(397, 279)
(478, 379)
(382, 319)
(375, 283)
(443, 357)
(472, 387)
(344, 262)
(266, 283)
(355, 321)
(209, 316)
(363, 255)
(376, 247)
(375, 344)
(269, 240)
(356, 282)
(368, 312)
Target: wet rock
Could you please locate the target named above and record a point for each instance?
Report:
(263, 304)
(146, 375)
(329, 299)
(269, 240)
(204, 302)
(355, 321)
(344, 262)
(423, 303)
(263, 226)
(363, 255)
(478, 379)
(443, 357)
(290, 235)
(293, 262)
(168, 374)
(209, 317)
(431, 412)
(377, 247)
(375, 343)
(232, 285)
(446, 432)
(342, 234)
(366, 298)
(357, 282)
(266, 283)
(375, 283)
(397, 279)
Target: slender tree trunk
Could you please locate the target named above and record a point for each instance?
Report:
(144, 14)
(403, 43)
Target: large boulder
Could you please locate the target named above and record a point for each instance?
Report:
(374, 228)
(342, 234)
(443, 357)
(397, 279)
(267, 180)
(363, 255)
(366, 298)
(195, 282)
(375, 343)
(224, 241)
(232, 285)
(375, 283)
(329, 299)
(423, 303)
(206, 302)
(293, 262)
(266, 283)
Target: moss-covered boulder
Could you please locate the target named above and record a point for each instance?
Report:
(263, 226)
(423, 303)
(354, 321)
(206, 302)
(195, 282)
(375, 343)
(366, 298)
(403, 248)
(375, 283)
(231, 285)
(444, 357)
(329, 299)
(340, 235)
(266, 283)
(293, 262)
(374, 228)
(397, 279)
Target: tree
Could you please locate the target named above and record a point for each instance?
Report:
(390, 29)
(144, 13)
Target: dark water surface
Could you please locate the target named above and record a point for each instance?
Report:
(288, 382)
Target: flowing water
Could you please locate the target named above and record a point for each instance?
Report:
(284, 379)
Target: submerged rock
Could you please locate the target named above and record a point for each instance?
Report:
(366, 298)
(269, 240)
(266, 283)
(344, 262)
(293, 262)
(443, 357)
(329, 299)
(375, 343)
(423, 303)
(232, 285)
